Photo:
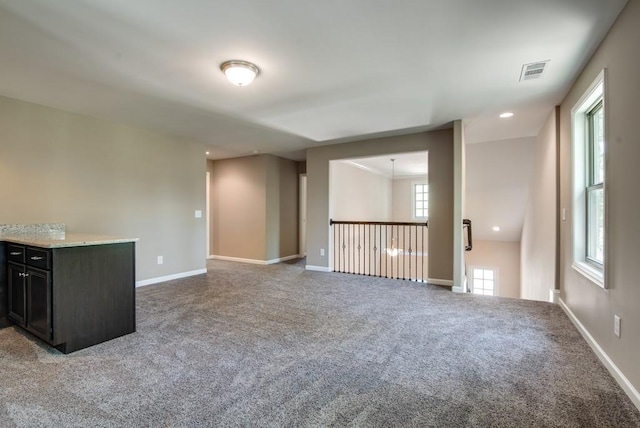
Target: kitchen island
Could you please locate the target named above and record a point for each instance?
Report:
(70, 290)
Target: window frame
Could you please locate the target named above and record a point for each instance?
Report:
(413, 200)
(594, 97)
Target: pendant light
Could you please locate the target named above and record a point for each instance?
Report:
(393, 251)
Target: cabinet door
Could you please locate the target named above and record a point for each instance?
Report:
(39, 303)
(17, 293)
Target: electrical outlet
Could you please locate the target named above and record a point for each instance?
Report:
(616, 325)
(198, 213)
(322, 252)
(160, 260)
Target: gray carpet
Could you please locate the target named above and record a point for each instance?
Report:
(278, 346)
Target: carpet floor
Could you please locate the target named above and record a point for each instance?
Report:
(278, 346)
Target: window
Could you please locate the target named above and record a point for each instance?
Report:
(420, 200)
(589, 182)
(595, 184)
(483, 281)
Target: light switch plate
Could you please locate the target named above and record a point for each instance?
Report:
(198, 213)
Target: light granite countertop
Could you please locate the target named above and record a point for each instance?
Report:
(61, 240)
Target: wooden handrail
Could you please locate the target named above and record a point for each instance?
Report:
(379, 223)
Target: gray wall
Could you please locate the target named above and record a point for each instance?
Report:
(440, 147)
(282, 207)
(104, 178)
(538, 241)
(238, 207)
(254, 207)
(594, 306)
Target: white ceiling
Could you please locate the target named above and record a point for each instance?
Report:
(331, 70)
(404, 164)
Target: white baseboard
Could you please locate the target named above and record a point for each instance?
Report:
(318, 268)
(460, 288)
(254, 261)
(282, 259)
(169, 277)
(436, 281)
(617, 374)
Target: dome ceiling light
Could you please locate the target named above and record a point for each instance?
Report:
(240, 73)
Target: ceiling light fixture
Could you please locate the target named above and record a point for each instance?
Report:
(496, 229)
(506, 114)
(240, 73)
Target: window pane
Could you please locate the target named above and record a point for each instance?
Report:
(595, 224)
(483, 281)
(597, 150)
(420, 200)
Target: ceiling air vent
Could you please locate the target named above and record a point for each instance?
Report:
(533, 71)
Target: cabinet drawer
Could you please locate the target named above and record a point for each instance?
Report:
(38, 258)
(15, 253)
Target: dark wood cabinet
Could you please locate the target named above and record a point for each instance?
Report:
(38, 286)
(29, 299)
(72, 297)
(4, 292)
(16, 287)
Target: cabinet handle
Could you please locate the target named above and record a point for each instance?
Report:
(36, 258)
(15, 253)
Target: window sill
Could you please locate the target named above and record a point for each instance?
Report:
(592, 274)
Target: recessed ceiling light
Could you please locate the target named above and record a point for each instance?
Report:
(240, 73)
(506, 114)
(496, 229)
(206, 153)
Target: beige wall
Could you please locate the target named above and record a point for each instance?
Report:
(238, 207)
(538, 241)
(594, 306)
(104, 178)
(211, 192)
(358, 195)
(440, 148)
(282, 207)
(403, 198)
(502, 256)
(254, 207)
